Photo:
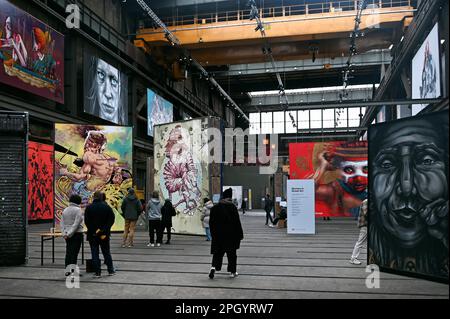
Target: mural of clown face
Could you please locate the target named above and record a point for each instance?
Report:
(354, 174)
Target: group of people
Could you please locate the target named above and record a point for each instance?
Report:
(221, 222)
(99, 218)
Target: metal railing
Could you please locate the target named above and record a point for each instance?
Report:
(273, 12)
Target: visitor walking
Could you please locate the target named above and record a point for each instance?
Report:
(362, 223)
(207, 205)
(226, 233)
(99, 218)
(154, 220)
(167, 212)
(268, 205)
(131, 209)
(72, 230)
(244, 206)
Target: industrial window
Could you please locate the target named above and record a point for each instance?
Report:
(278, 122)
(303, 120)
(316, 118)
(255, 123)
(291, 122)
(266, 123)
(328, 118)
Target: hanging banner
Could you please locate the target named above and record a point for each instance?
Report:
(339, 170)
(301, 207)
(92, 158)
(408, 205)
(40, 181)
(31, 54)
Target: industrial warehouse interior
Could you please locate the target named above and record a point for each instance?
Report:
(143, 141)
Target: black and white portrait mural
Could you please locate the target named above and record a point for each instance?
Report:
(426, 76)
(105, 91)
(408, 191)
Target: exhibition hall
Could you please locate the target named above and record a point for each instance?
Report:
(142, 141)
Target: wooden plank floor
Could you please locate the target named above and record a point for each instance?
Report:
(271, 264)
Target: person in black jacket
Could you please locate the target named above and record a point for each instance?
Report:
(268, 208)
(167, 212)
(226, 233)
(99, 218)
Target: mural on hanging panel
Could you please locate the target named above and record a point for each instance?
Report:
(182, 173)
(31, 54)
(40, 181)
(93, 158)
(159, 110)
(339, 170)
(105, 90)
(408, 205)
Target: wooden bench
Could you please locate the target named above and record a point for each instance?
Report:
(51, 236)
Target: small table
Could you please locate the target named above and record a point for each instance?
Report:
(52, 236)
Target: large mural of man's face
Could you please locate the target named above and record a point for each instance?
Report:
(409, 192)
(108, 91)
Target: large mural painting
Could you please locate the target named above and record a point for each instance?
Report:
(408, 205)
(89, 159)
(340, 172)
(31, 54)
(182, 172)
(40, 181)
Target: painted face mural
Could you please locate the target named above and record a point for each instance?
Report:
(339, 170)
(354, 174)
(106, 94)
(409, 195)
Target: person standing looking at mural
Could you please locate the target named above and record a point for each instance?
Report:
(362, 223)
(99, 218)
(154, 220)
(226, 233)
(131, 209)
(268, 205)
(72, 230)
(207, 205)
(167, 212)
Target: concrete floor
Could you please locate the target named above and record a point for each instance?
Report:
(271, 264)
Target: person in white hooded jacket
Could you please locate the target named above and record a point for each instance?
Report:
(72, 230)
(207, 205)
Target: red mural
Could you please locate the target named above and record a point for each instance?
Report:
(339, 170)
(40, 179)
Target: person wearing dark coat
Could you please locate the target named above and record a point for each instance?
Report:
(131, 209)
(99, 218)
(268, 208)
(226, 232)
(167, 212)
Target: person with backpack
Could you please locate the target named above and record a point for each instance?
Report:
(131, 209)
(167, 212)
(154, 220)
